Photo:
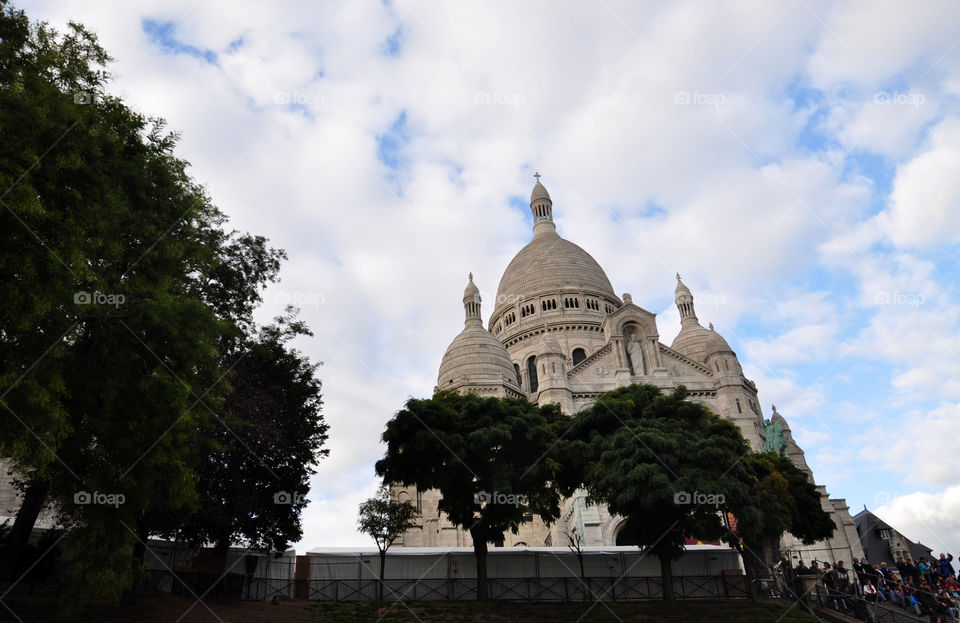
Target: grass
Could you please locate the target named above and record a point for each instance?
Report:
(162, 608)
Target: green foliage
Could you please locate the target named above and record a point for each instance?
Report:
(115, 397)
(639, 451)
(782, 499)
(385, 520)
(254, 477)
(465, 445)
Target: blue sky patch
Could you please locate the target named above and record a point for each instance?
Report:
(163, 34)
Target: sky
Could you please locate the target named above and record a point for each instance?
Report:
(797, 162)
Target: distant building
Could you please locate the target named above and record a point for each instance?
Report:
(882, 543)
(559, 334)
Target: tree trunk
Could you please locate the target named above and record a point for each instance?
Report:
(666, 577)
(129, 596)
(480, 553)
(220, 550)
(383, 563)
(587, 592)
(753, 565)
(33, 500)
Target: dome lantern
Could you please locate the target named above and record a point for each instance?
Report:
(684, 300)
(542, 208)
(471, 302)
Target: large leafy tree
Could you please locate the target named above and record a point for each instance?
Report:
(781, 499)
(664, 463)
(470, 448)
(123, 296)
(385, 520)
(254, 477)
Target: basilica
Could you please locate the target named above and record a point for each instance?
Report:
(559, 334)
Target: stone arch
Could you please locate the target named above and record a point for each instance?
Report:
(578, 355)
(532, 373)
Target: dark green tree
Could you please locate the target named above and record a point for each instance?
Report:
(385, 520)
(781, 499)
(254, 478)
(664, 463)
(123, 294)
(488, 458)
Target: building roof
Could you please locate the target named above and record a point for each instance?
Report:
(549, 264)
(478, 356)
(876, 549)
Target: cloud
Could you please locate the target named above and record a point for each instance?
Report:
(929, 518)
(389, 149)
(925, 202)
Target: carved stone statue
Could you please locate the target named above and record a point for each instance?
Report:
(775, 440)
(635, 350)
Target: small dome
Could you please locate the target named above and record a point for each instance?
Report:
(549, 345)
(682, 290)
(716, 344)
(476, 354)
(692, 341)
(471, 290)
(539, 192)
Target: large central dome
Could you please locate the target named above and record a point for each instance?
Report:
(549, 264)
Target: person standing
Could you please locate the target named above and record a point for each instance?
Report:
(946, 569)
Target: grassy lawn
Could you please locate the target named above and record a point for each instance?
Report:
(167, 608)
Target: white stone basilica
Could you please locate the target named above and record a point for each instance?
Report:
(559, 334)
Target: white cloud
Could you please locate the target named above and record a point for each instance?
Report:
(666, 135)
(925, 202)
(930, 518)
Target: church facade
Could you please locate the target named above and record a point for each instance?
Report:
(559, 334)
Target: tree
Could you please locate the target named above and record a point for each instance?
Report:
(253, 477)
(488, 458)
(122, 295)
(665, 464)
(781, 499)
(385, 520)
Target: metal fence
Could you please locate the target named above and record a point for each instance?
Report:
(236, 586)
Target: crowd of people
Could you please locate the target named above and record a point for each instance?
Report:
(927, 587)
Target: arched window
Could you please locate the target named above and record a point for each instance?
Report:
(578, 355)
(516, 369)
(532, 373)
(739, 410)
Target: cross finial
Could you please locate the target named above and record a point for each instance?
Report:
(471, 277)
(537, 175)
(678, 277)
(774, 407)
(711, 327)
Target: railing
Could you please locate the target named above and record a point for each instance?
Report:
(509, 589)
(856, 606)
